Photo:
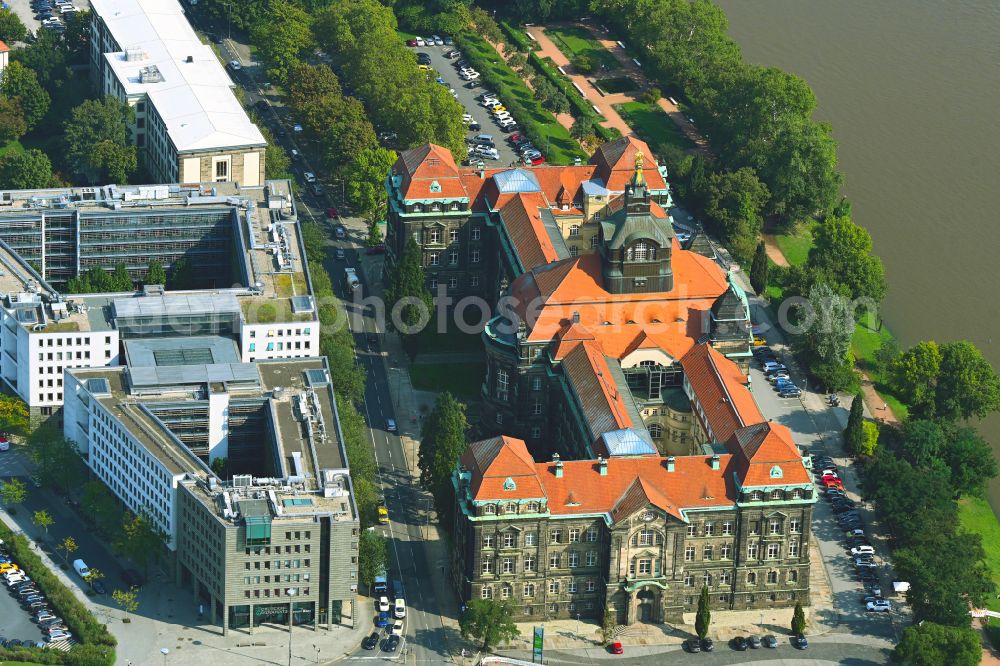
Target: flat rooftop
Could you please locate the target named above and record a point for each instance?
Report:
(266, 236)
(164, 59)
(306, 431)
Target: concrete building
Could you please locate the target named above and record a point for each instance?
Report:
(189, 126)
(277, 535)
(246, 268)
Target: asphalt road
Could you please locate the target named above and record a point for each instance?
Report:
(446, 70)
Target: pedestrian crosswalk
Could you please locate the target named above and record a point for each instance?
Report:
(65, 644)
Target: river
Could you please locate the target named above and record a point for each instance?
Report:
(912, 89)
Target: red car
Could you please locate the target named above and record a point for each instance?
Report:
(377, 249)
(536, 160)
(411, 42)
(831, 482)
(616, 648)
(332, 213)
(516, 138)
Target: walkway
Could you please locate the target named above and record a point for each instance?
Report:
(774, 252)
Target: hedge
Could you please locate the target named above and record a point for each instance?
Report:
(534, 121)
(581, 107)
(517, 37)
(98, 643)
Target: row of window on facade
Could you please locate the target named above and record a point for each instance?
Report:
(277, 592)
(271, 333)
(288, 564)
(282, 346)
(528, 590)
(772, 551)
(453, 282)
(436, 235)
(725, 528)
(529, 563)
(435, 207)
(434, 258)
(510, 539)
(51, 341)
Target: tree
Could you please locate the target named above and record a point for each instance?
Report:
(365, 177)
(13, 492)
(442, 443)
(854, 432)
(582, 63)
(704, 617)
(347, 377)
(14, 417)
(869, 439)
(140, 539)
(181, 275)
(735, 201)
(922, 441)
(517, 61)
(26, 170)
(127, 600)
(759, 269)
(155, 273)
(915, 491)
(967, 384)
(282, 36)
(844, 249)
(913, 377)
(93, 575)
(608, 625)
(11, 28)
(485, 25)
(970, 459)
(99, 503)
(798, 619)
(97, 140)
(407, 282)
(68, 547)
(121, 280)
(373, 556)
(309, 83)
(827, 337)
(489, 620)
(932, 644)
(43, 519)
(557, 103)
(59, 464)
(374, 235)
(582, 129)
(12, 122)
(220, 467)
(20, 83)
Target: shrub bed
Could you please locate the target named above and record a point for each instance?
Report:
(98, 642)
(580, 106)
(517, 38)
(535, 122)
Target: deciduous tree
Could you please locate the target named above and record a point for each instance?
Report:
(282, 36)
(25, 170)
(127, 600)
(120, 279)
(829, 328)
(140, 539)
(68, 547)
(735, 202)
(12, 122)
(844, 250)
(407, 282)
(43, 519)
(967, 384)
(365, 176)
(99, 504)
(19, 82)
(443, 439)
(12, 29)
(97, 140)
(155, 273)
(14, 417)
(914, 375)
(59, 464)
(489, 620)
(93, 575)
(13, 492)
(373, 556)
(970, 459)
(869, 439)
(932, 644)
(582, 128)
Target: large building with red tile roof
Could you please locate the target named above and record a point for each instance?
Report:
(637, 533)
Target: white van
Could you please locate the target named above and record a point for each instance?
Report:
(81, 568)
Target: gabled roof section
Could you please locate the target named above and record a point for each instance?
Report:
(766, 455)
(527, 231)
(615, 164)
(495, 462)
(719, 387)
(604, 403)
(429, 172)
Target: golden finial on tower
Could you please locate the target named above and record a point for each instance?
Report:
(638, 168)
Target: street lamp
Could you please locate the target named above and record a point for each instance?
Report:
(164, 652)
(291, 592)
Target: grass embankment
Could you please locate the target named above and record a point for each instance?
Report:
(461, 379)
(653, 126)
(795, 244)
(575, 41)
(540, 125)
(976, 515)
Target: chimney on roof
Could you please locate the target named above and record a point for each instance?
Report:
(559, 465)
(576, 317)
(481, 166)
(715, 462)
(189, 59)
(602, 465)
(670, 463)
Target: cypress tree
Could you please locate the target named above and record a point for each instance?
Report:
(704, 617)
(758, 269)
(408, 282)
(854, 433)
(798, 619)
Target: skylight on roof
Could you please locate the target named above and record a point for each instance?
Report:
(516, 180)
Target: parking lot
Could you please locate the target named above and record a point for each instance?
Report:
(14, 621)
(27, 15)
(467, 97)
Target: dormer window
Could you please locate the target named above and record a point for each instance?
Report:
(489, 509)
(418, 208)
(756, 496)
(574, 230)
(435, 187)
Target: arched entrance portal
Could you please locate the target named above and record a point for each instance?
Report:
(647, 605)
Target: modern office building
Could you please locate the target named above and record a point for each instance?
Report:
(246, 276)
(189, 126)
(276, 532)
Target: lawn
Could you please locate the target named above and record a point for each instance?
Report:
(617, 84)
(574, 41)
(795, 244)
(653, 126)
(975, 515)
(12, 147)
(866, 341)
(540, 125)
(461, 379)
(403, 35)
(429, 341)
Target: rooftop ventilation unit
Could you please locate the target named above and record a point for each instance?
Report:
(150, 74)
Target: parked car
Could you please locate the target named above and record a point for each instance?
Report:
(57, 636)
(861, 550)
(390, 644)
(740, 643)
(382, 620)
(411, 42)
(882, 606)
(397, 628)
(800, 642)
(390, 425)
(692, 645)
(454, 53)
(419, 41)
(707, 644)
(791, 392)
(616, 648)
(754, 642)
(371, 641)
(383, 604)
(309, 176)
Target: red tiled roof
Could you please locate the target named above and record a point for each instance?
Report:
(720, 388)
(761, 447)
(526, 229)
(3, 47)
(600, 399)
(615, 162)
(424, 166)
(493, 461)
(629, 479)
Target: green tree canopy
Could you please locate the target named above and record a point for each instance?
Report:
(443, 440)
(827, 338)
(155, 273)
(967, 385)
(310, 83)
(798, 619)
(140, 539)
(282, 36)
(736, 200)
(19, 82)
(489, 620)
(407, 282)
(703, 619)
(12, 29)
(12, 122)
(373, 556)
(970, 459)
(582, 129)
(97, 141)
(59, 464)
(365, 176)
(932, 644)
(914, 375)
(30, 169)
(869, 438)
(13, 491)
(14, 416)
(844, 250)
(854, 432)
(120, 279)
(759, 269)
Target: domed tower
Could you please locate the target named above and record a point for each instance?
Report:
(636, 244)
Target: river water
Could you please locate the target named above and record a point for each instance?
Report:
(912, 89)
